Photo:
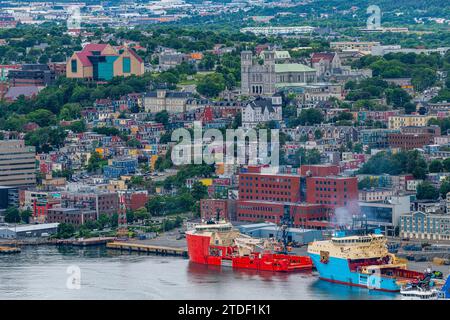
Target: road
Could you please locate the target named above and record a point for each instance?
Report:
(163, 175)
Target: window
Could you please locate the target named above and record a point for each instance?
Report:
(126, 65)
(73, 65)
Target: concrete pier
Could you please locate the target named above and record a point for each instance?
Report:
(125, 246)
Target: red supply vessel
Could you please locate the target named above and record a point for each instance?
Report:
(218, 243)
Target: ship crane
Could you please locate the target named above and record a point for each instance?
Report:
(286, 223)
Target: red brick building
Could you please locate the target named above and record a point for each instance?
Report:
(136, 199)
(303, 215)
(41, 207)
(333, 192)
(319, 170)
(73, 216)
(269, 187)
(408, 141)
(226, 208)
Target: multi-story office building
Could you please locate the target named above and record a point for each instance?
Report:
(39, 75)
(385, 214)
(409, 141)
(171, 101)
(333, 192)
(73, 216)
(17, 164)
(420, 225)
(100, 202)
(269, 187)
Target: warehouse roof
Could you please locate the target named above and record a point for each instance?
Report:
(31, 227)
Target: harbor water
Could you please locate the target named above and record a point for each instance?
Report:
(46, 272)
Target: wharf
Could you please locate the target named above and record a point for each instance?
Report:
(92, 241)
(146, 248)
(9, 250)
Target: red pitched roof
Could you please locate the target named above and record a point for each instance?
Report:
(95, 47)
(317, 56)
(134, 54)
(83, 56)
(87, 51)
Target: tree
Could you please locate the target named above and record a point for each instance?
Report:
(237, 121)
(211, 85)
(309, 117)
(162, 117)
(134, 143)
(199, 190)
(137, 181)
(445, 188)
(25, 215)
(95, 162)
(65, 230)
(114, 220)
(78, 126)
(435, 166)
(426, 190)
(141, 214)
(318, 134)
(397, 97)
(12, 215)
(446, 164)
(42, 117)
(398, 163)
(103, 220)
(358, 148)
(423, 78)
(155, 205)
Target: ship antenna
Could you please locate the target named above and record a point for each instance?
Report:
(217, 215)
(365, 221)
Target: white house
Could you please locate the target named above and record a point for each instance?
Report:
(261, 110)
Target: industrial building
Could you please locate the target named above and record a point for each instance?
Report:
(39, 75)
(28, 231)
(271, 230)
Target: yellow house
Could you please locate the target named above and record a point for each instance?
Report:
(206, 182)
(396, 122)
(101, 62)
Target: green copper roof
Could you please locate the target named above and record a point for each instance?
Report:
(292, 67)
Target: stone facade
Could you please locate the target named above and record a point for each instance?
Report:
(262, 76)
(256, 78)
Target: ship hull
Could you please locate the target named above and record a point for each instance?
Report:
(199, 252)
(337, 270)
